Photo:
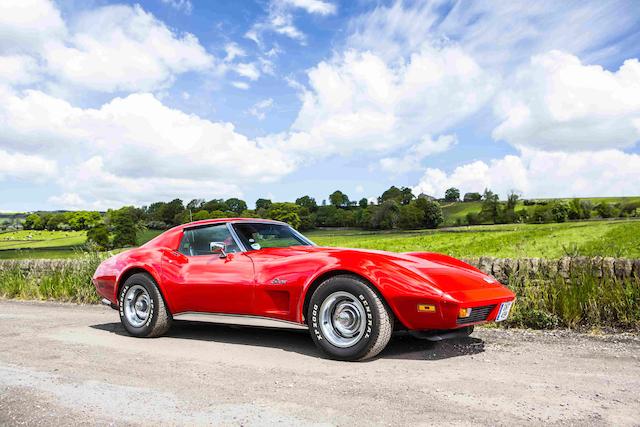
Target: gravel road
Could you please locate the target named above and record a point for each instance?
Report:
(63, 364)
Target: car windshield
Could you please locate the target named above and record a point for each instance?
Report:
(258, 235)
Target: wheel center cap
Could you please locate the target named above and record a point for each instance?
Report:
(141, 306)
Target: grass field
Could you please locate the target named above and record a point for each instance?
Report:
(595, 238)
(41, 239)
(619, 238)
(458, 210)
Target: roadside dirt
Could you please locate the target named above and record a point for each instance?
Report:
(63, 364)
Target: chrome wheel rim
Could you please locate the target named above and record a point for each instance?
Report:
(137, 306)
(342, 319)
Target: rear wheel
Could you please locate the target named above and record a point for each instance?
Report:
(348, 320)
(143, 312)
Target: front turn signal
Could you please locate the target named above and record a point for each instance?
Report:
(426, 308)
(464, 312)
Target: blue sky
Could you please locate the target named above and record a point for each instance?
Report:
(110, 103)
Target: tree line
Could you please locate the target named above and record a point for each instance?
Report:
(395, 208)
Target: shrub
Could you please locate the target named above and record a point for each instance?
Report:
(411, 217)
(472, 197)
(99, 237)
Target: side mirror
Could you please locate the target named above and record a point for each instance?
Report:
(218, 248)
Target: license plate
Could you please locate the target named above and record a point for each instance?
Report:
(503, 313)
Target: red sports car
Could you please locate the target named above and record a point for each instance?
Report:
(351, 300)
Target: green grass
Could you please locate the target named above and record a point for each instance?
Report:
(453, 211)
(146, 235)
(618, 238)
(582, 301)
(70, 282)
(544, 301)
(458, 210)
(30, 239)
(595, 238)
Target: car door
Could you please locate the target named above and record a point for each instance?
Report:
(202, 281)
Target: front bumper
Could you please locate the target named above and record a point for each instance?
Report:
(484, 308)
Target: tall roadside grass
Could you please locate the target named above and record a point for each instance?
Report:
(585, 296)
(68, 280)
(583, 299)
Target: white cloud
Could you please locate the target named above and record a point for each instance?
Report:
(413, 157)
(357, 101)
(25, 167)
(558, 103)
(259, 109)
(240, 85)
(180, 5)
(27, 25)
(105, 189)
(542, 174)
(280, 20)
(248, 70)
(128, 143)
(68, 201)
(500, 34)
(313, 6)
(233, 51)
(18, 69)
(122, 48)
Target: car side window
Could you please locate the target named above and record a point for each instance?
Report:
(197, 241)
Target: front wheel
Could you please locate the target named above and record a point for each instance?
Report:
(143, 312)
(348, 320)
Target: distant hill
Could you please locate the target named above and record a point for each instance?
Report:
(453, 211)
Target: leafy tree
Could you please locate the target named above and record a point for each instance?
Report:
(473, 218)
(490, 206)
(286, 212)
(236, 205)
(433, 216)
(33, 222)
(339, 199)
(559, 212)
(393, 193)
(55, 221)
(215, 205)
(386, 216)
(541, 214)
(307, 219)
(217, 214)
(83, 220)
(195, 205)
(125, 224)
(326, 216)
(99, 237)
(307, 202)
(264, 204)
(452, 195)
(154, 211)
(411, 217)
(363, 203)
(472, 197)
(406, 196)
(403, 195)
(170, 212)
(605, 210)
(578, 209)
(201, 214)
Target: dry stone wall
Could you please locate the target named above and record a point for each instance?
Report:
(500, 268)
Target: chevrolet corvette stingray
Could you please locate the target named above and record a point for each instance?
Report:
(351, 300)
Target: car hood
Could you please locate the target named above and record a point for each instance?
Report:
(445, 273)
